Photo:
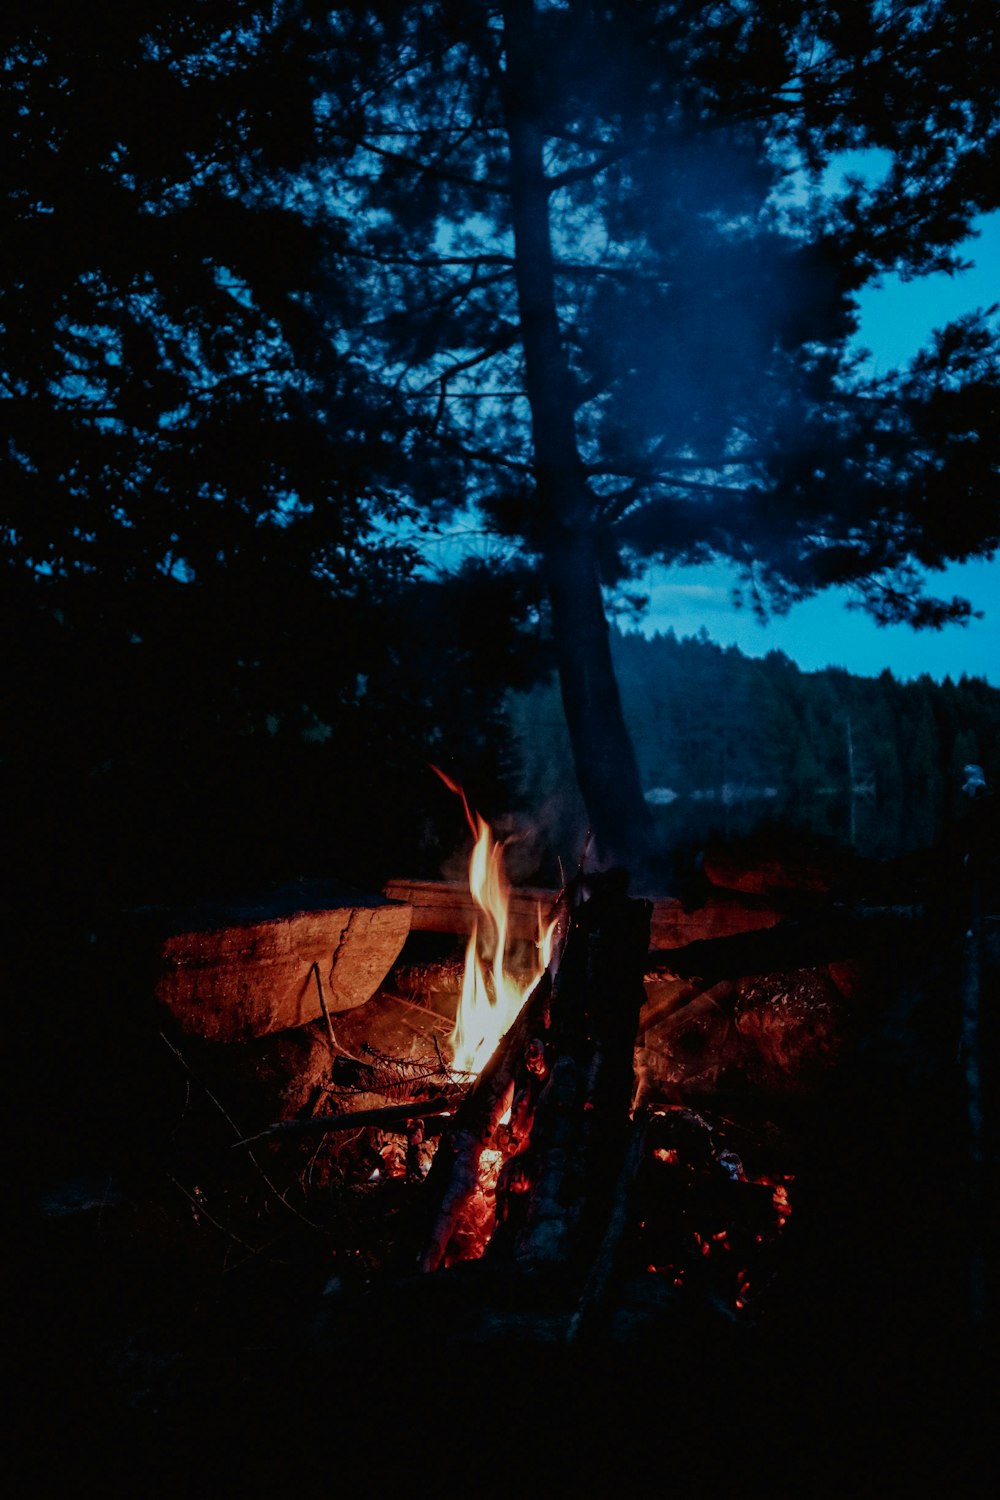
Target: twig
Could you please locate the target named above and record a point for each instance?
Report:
(430, 1015)
(334, 1049)
(200, 1208)
(440, 1057)
(387, 1116)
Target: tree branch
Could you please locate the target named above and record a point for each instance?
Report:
(426, 169)
(588, 170)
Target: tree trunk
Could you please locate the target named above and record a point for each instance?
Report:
(602, 749)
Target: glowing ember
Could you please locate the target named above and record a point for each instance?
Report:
(491, 996)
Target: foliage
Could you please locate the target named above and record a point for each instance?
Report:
(707, 248)
(221, 657)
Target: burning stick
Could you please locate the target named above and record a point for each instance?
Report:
(498, 1018)
(454, 1177)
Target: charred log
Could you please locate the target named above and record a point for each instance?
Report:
(565, 1175)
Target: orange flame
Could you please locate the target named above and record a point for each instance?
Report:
(491, 996)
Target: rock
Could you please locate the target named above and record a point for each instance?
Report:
(230, 973)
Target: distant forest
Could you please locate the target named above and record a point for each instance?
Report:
(727, 743)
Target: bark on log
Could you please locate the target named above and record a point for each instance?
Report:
(231, 973)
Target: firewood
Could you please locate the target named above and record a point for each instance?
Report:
(822, 937)
(579, 1132)
(674, 925)
(447, 907)
(591, 1313)
(454, 1176)
(230, 973)
(745, 868)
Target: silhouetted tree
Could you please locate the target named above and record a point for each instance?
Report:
(573, 271)
(218, 642)
(603, 261)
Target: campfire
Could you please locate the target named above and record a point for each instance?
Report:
(605, 1096)
(467, 1136)
(563, 1100)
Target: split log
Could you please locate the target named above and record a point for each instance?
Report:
(231, 973)
(674, 925)
(447, 907)
(665, 993)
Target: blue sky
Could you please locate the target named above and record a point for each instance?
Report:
(896, 318)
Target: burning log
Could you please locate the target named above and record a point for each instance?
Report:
(454, 1177)
(565, 1070)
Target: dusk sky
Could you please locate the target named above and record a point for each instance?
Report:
(896, 320)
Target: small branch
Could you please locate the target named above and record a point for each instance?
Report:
(388, 1117)
(426, 169)
(200, 1208)
(588, 169)
(334, 1049)
(431, 1016)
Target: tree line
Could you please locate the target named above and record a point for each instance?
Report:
(728, 743)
